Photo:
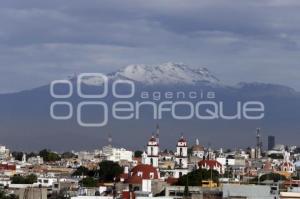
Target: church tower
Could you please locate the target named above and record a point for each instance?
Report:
(152, 152)
(182, 153)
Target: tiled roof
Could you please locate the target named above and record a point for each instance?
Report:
(210, 163)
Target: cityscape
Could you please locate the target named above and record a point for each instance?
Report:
(189, 170)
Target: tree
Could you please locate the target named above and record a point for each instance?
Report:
(138, 154)
(83, 171)
(31, 154)
(3, 195)
(272, 176)
(49, 156)
(186, 191)
(30, 179)
(109, 170)
(195, 177)
(68, 155)
(17, 155)
(275, 156)
(89, 182)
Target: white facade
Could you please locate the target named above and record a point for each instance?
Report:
(46, 181)
(85, 155)
(226, 161)
(36, 160)
(180, 172)
(4, 153)
(4, 181)
(181, 154)
(199, 154)
(151, 157)
(118, 154)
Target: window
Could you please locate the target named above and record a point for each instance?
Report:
(151, 175)
(180, 174)
(140, 174)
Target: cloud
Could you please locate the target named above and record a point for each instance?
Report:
(239, 40)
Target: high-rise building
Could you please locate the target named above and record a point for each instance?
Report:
(271, 142)
(258, 148)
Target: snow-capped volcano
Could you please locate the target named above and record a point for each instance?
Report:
(165, 74)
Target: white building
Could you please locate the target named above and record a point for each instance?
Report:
(117, 154)
(152, 155)
(181, 158)
(181, 153)
(85, 155)
(37, 160)
(46, 181)
(4, 153)
(287, 165)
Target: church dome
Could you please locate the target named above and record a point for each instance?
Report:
(198, 148)
(142, 172)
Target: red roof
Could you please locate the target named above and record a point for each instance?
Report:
(11, 167)
(152, 139)
(287, 164)
(182, 139)
(140, 172)
(124, 176)
(209, 163)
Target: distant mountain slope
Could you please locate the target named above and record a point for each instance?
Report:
(25, 121)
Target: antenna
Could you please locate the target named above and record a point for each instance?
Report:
(109, 139)
(157, 133)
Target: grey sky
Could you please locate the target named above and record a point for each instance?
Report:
(237, 40)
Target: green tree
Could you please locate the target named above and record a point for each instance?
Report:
(68, 155)
(186, 191)
(270, 176)
(195, 177)
(109, 170)
(3, 195)
(17, 155)
(49, 156)
(83, 171)
(30, 179)
(276, 156)
(138, 154)
(89, 182)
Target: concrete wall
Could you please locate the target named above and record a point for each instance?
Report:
(32, 193)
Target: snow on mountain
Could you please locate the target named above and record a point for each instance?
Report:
(165, 74)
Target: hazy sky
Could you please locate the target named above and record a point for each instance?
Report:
(254, 40)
